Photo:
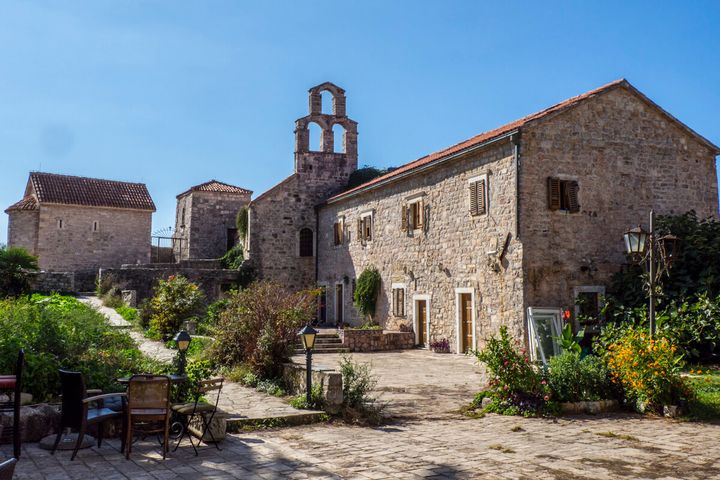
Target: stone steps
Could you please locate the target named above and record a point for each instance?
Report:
(324, 343)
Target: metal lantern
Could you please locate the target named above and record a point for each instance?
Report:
(307, 335)
(635, 241)
(182, 339)
(669, 247)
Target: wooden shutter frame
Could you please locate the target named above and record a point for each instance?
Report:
(404, 218)
(553, 192)
(481, 194)
(571, 189)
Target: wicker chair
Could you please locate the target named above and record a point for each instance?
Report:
(12, 385)
(80, 411)
(148, 408)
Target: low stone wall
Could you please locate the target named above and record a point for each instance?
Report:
(142, 278)
(294, 377)
(375, 340)
(46, 282)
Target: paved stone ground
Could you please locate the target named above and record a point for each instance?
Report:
(238, 401)
(494, 447)
(416, 383)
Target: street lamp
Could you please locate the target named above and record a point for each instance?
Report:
(182, 339)
(307, 335)
(656, 254)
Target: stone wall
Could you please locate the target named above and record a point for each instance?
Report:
(122, 236)
(295, 379)
(452, 251)
(208, 216)
(277, 216)
(627, 158)
(23, 229)
(143, 278)
(47, 282)
(375, 340)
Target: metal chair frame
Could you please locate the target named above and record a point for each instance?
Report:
(204, 387)
(13, 405)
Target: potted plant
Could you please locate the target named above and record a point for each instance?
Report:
(440, 346)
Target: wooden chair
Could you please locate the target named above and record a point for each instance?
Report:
(78, 411)
(12, 384)
(201, 408)
(7, 469)
(148, 408)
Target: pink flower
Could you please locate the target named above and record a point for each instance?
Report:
(505, 363)
(544, 382)
(547, 397)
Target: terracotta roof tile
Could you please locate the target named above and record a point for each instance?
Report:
(215, 186)
(27, 203)
(477, 140)
(94, 192)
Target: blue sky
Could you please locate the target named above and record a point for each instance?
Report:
(174, 93)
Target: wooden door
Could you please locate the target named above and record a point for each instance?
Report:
(322, 306)
(421, 319)
(466, 322)
(339, 304)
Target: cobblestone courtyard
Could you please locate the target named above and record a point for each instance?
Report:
(427, 440)
(622, 446)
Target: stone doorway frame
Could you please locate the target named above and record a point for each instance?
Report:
(458, 319)
(426, 299)
(339, 302)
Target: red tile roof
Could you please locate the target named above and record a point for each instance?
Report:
(92, 192)
(506, 129)
(215, 186)
(27, 203)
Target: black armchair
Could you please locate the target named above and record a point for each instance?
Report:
(80, 411)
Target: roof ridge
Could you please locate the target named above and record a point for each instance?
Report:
(36, 172)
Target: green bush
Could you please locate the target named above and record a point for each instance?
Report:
(694, 326)
(357, 381)
(128, 313)
(259, 327)
(206, 326)
(233, 259)
(316, 399)
(575, 379)
(514, 386)
(175, 301)
(196, 371)
(61, 332)
(16, 266)
(366, 291)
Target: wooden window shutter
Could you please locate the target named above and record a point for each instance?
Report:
(404, 218)
(473, 199)
(401, 301)
(360, 229)
(480, 196)
(553, 193)
(572, 197)
(420, 206)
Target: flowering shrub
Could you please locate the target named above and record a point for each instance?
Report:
(576, 379)
(515, 388)
(176, 300)
(440, 346)
(647, 369)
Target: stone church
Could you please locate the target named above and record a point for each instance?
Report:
(513, 225)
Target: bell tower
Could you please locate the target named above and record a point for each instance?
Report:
(333, 163)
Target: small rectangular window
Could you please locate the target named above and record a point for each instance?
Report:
(563, 195)
(398, 295)
(478, 195)
(338, 233)
(60, 224)
(96, 226)
(365, 227)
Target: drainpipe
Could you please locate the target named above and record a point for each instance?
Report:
(515, 140)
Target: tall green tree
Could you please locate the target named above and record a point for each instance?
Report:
(16, 266)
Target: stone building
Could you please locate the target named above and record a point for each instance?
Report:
(79, 224)
(518, 222)
(283, 220)
(205, 225)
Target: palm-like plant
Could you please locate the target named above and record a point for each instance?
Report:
(16, 265)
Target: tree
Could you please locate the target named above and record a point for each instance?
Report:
(16, 266)
(366, 291)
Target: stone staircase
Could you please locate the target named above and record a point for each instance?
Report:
(325, 342)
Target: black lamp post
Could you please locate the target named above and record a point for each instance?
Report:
(656, 254)
(182, 339)
(307, 335)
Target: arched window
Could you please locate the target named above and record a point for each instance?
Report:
(315, 136)
(339, 138)
(327, 102)
(306, 242)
